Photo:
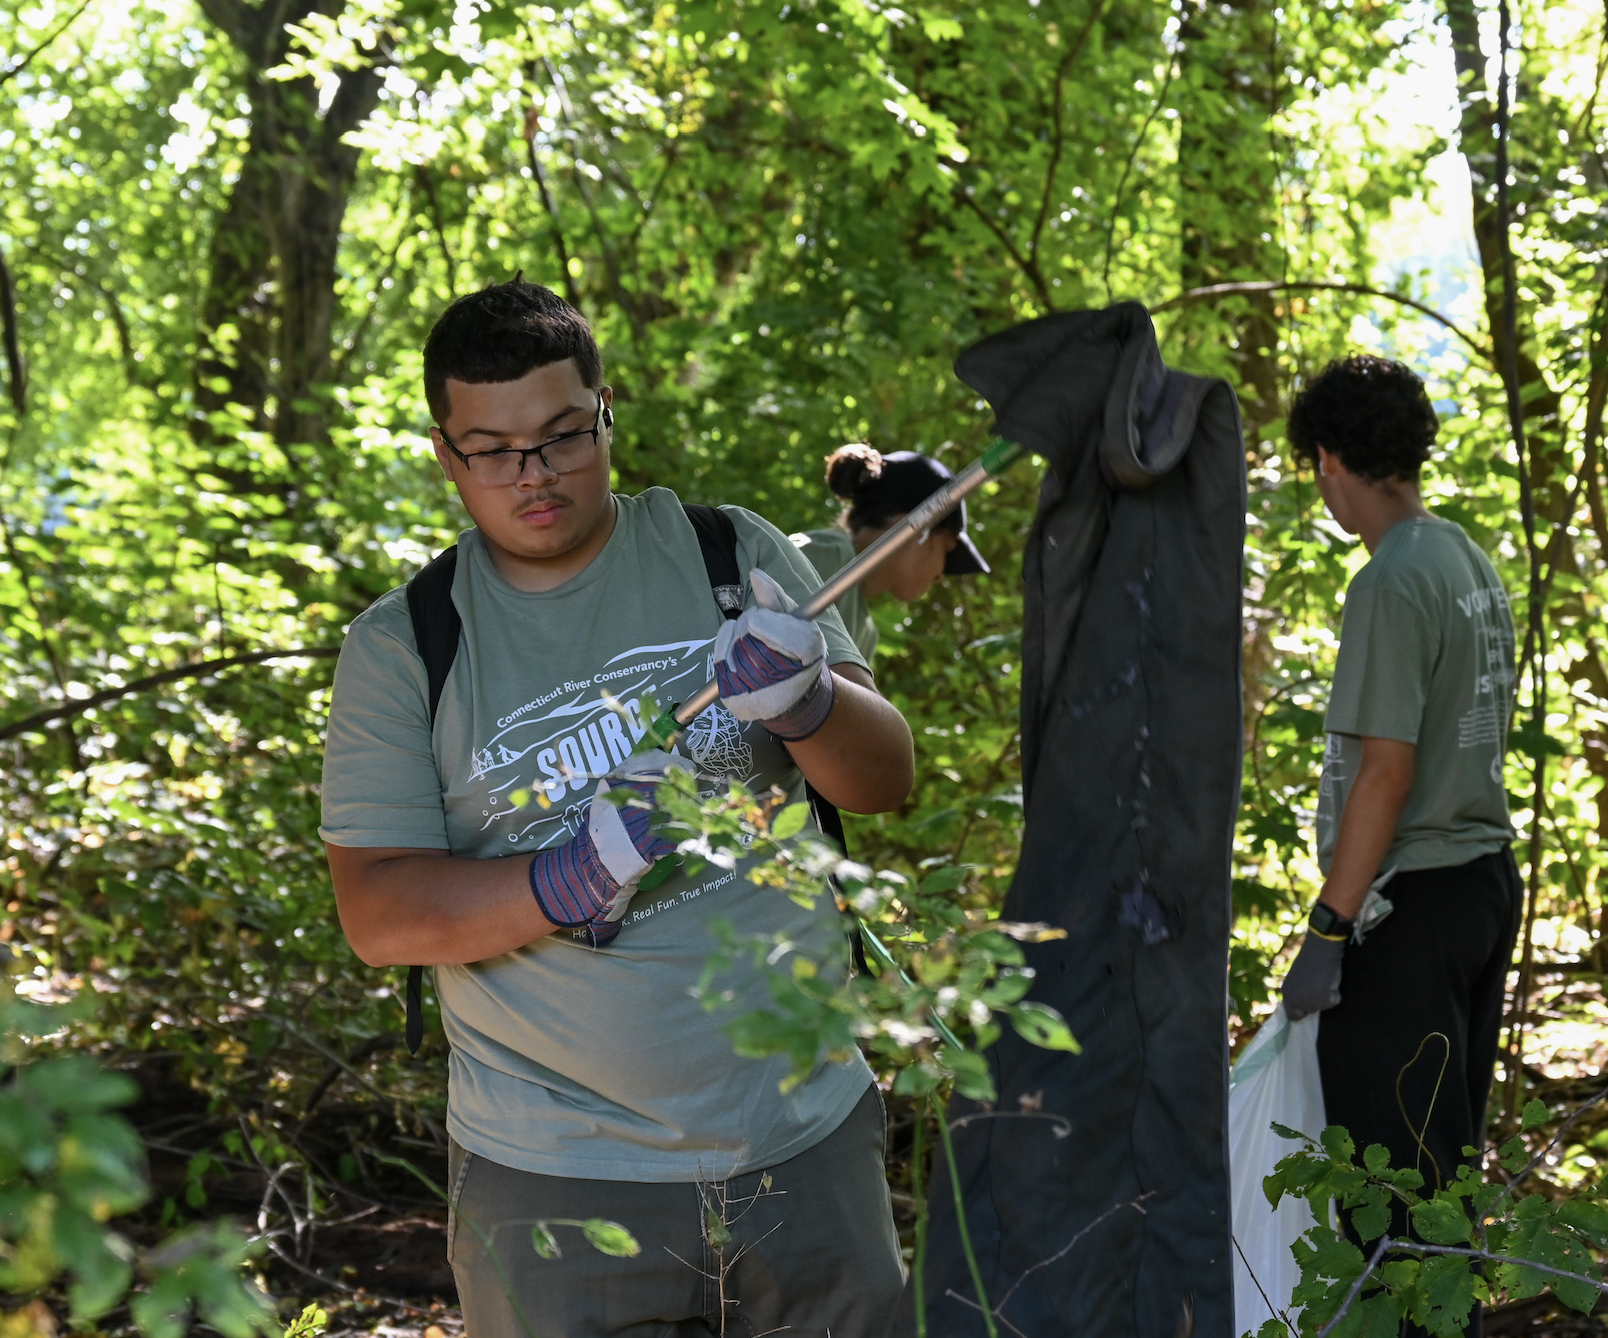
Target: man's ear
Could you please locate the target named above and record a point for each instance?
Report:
(442, 455)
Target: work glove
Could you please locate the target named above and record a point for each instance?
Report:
(1313, 981)
(588, 883)
(771, 665)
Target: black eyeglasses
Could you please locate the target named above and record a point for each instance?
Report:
(562, 455)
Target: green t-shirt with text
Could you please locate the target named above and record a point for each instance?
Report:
(1426, 657)
(569, 1061)
(829, 551)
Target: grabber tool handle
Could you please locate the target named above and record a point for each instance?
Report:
(999, 457)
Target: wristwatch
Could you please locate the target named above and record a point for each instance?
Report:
(1326, 922)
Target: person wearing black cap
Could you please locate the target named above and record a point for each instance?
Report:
(880, 491)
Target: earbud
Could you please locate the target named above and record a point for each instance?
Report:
(608, 417)
(1321, 469)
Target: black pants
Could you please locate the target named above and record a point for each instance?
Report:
(1408, 1052)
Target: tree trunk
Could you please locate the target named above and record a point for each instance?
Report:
(269, 305)
(1542, 403)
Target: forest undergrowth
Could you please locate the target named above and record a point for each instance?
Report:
(223, 238)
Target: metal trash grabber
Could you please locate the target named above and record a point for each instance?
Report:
(999, 457)
(664, 731)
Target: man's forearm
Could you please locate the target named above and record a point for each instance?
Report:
(427, 908)
(1368, 825)
(863, 758)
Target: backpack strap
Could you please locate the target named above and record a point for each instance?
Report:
(436, 622)
(436, 628)
(717, 538)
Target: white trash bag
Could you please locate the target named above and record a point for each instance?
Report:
(1275, 1079)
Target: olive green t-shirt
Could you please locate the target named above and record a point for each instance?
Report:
(829, 551)
(570, 1061)
(1426, 657)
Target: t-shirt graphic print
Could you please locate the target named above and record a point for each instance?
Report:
(558, 750)
(568, 1060)
(1426, 657)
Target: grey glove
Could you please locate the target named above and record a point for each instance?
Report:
(1313, 982)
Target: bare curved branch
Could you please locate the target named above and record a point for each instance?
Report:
(201, 670)
(1217, 290)
(13, 70)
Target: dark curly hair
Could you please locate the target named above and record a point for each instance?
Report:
(1371, 412)
(502, 332)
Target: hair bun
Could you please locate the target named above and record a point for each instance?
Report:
(851, 467)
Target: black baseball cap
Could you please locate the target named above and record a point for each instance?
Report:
(906, 481)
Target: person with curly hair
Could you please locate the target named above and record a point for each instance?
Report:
(1412, 801)
(878, 492)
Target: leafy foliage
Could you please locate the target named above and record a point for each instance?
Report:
(937, 974)
(69, 1165)
(1529, 1243)
(224, 243)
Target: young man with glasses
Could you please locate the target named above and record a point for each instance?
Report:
(586, 1079)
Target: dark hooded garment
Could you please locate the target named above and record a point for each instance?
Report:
(1131, 742)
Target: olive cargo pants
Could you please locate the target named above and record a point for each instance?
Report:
(811, 1249)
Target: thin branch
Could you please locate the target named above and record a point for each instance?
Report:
(1217, 290)
(1541, 1155)
(16, 369)
(201, 670)
(1058, 143)
(962, 1230)
(14, 70)
(422, 176)
(1266, 1299)
(58, 668)
(1486, 1256)
(953, 1295)
(1413, 1247)
(125, 338)
(1029, 270)
(1122, 182)
(611, 264)
(1063, 1126)
(1535, 631)
(1379, 1253)
(570, 291)
(361, 332)
(1067, 1248)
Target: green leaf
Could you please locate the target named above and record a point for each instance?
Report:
(790, 821)
(309, 1324)
(1371, 1218)
(544, 1242)
(610, 1238)
(945, 879)
(1442, 1221)
(1337, 1143)
(715, 1228)
(1535, 1113)
(917, 1080)
(1588, 1216)
(972, 1076)
(1041, 1025)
